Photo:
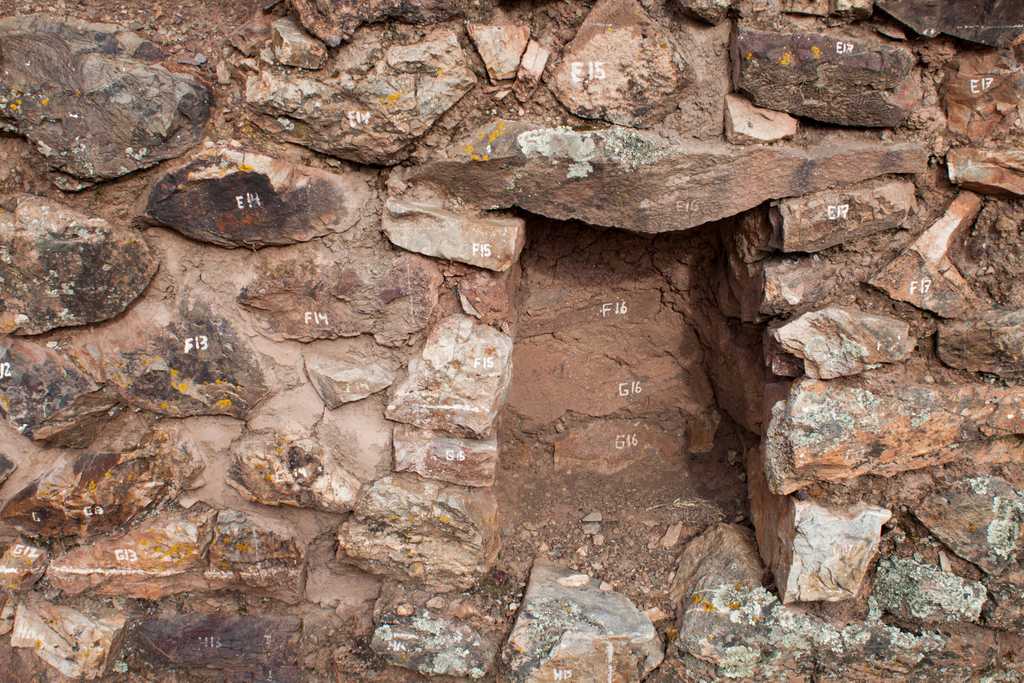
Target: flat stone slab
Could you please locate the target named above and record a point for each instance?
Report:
(996, 172)
(77, 645)
(335, 21)
(996, 23)
(992, 341)
(433, 455)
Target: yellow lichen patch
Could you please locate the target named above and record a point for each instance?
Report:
(735, 604)
(224, 403)
(444, 519)
(708, 607)
(164, 405)
(786, 59)
(15, 105)
(219, 381)
(816, 51)
(245, 168)
(45, 101)
(498, 131)
(749, 55)
(695, 599)
(173, 372)
(440, 72)
(392, 98)
(182, 387)
(468, 149)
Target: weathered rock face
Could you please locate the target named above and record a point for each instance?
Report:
(234, 198)
(992, 341)
(982, 94)
(458, 382)
(730, 630)
(492, 242)
(723, 553)
(323, 295)
(923, 274)
(334, 21)
(500, 46)
(994, 23)
(376, 101)
(134, 113)
(621, 178)
(277, 468)
(568, 628)
(466, 462)
(836, 341)
(413, 529)
(912, 590)
(46, 396)
(828, 78)
(261, 646)
(22, 564)
(824, 219)
(349, 373)
(98, 492)
(60, 268)
(292, 47)
(620, 68)
(6, 468)
(162, 556)
(989, 172)
(711, 11)
(256, 555)
(980, 519)
(531, 69)
(830, 431)
(76, 644)
(746, 124)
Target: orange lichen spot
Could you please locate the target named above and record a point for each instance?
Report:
(15, 105)
(735, 604)
(786, 59)
(708, 607)
(816, 51)
(695, 599)
(749, 55)
(392, 98)
(224, 403)
(45, 101)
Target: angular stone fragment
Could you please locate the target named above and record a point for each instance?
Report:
(459, 381)
(623, 178)
(980, 519)
(982, 94)
(923, 275)
(78, 645)
(712, 11)
(487, 241)
(46, 396)
(1004, 609)
(824, 219)
(96, 493)
(746, 124)
(21, 565)
(729, 629)
(989, 22)
(851, 9)
(371, 109)
(828, 78)
(831, 431)
(348, 373)
(86, 97)
(162, 556)
(723, 554)
(323, 295)
(60, 268)
(500, 46)
(234, 198)
(414, 529)
(275, 468)
(610, 446)
(813, 7)
(567, 627)
(292, 47)
(912, 590)
(531, 68)
(620, 68)
(257, 555)
(836, 341)
(334, 21)
(467, 462)
(264, 646)
(433, 643)
(999, 172)
(6, 467)
(992, 341)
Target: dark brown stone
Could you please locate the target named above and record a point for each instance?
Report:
(257, 555)
(828, 78)
(85, 95)
(6, 467)
(989, 22)
(234, 198)
(990, 342)
(334, 21)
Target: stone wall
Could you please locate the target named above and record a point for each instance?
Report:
(665, 340)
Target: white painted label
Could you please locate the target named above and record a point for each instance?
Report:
(563, 674)
(210, 642)
(315, 318)
(126, 555)
(28, 551)
(921, 286)
(454, 455)
(624, 441)
(486, 362)
(358, 119)
(629, 388)
(687, 205)
(36, 517)
(249, 200)
(614, 308)
(93, 510)
(844, 48)
(201, 343)
(587, 71)
(980, 85)
(5, 370)
(838, 211)
(481, 249)
(398, 646)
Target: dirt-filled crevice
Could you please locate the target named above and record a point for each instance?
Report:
(615, 406)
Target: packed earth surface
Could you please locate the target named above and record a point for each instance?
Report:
(511, 340)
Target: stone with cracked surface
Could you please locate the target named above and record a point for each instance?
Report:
(922, 592)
